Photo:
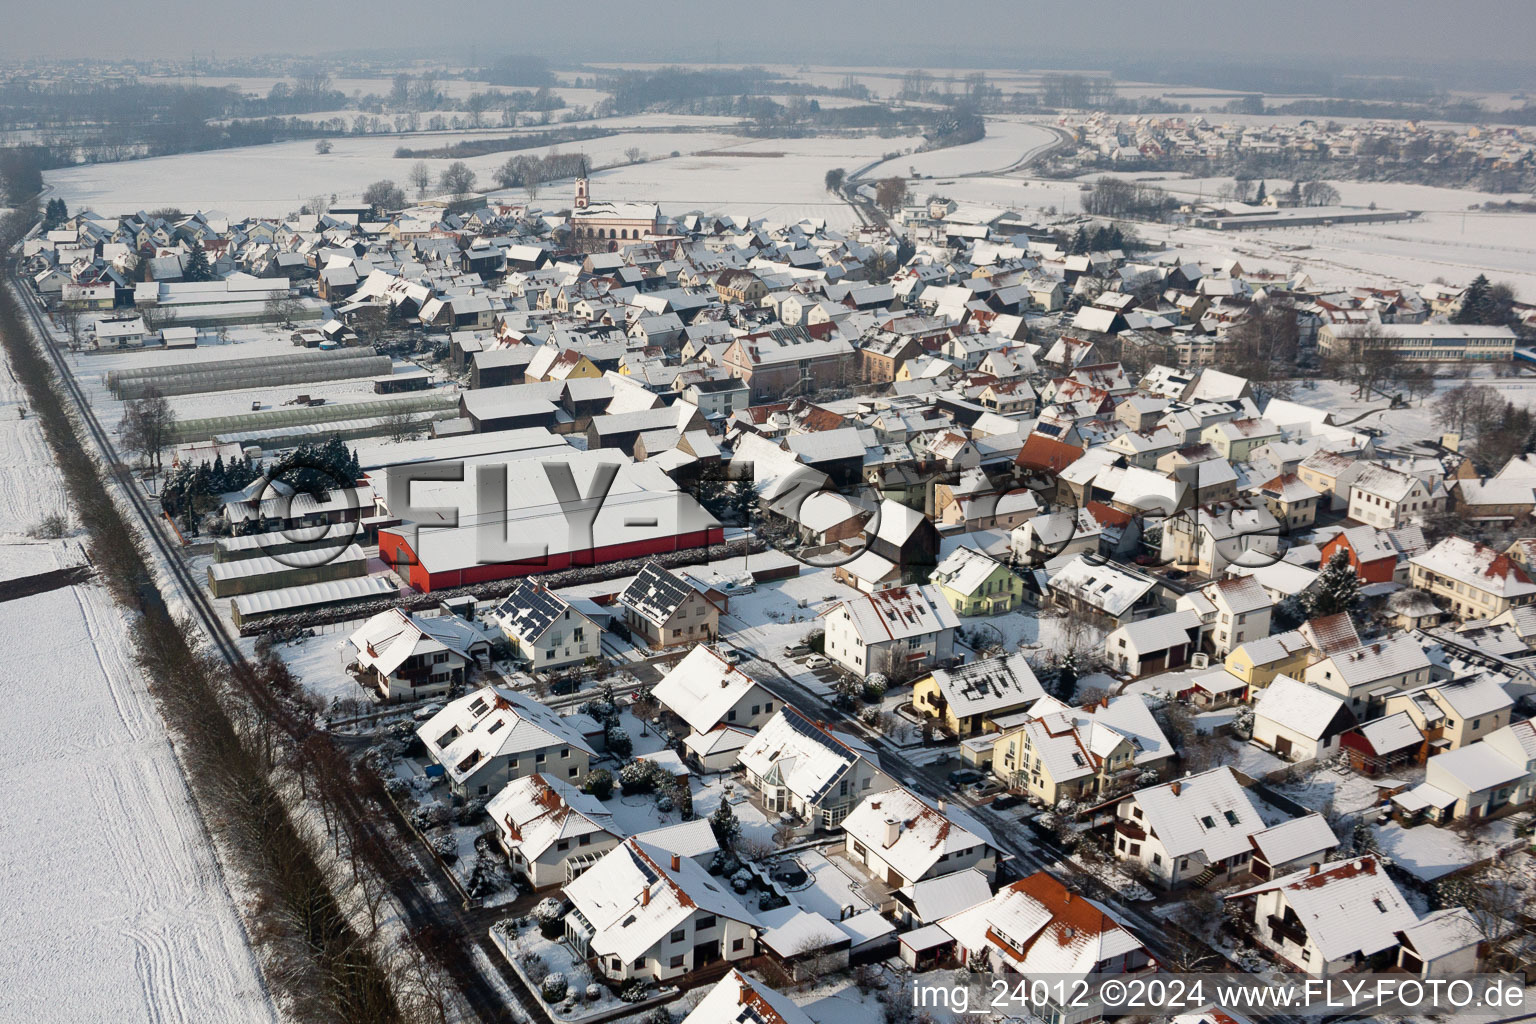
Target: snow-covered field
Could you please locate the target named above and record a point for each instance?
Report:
(780, 179)
(1008, 140)
(114, 905)
(785, 185)
(275, 180)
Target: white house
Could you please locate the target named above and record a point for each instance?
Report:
(1387, 499)
(901, 632)
(1367, 675)
(1292, 845)
(550, 830)
(1299, 722)
(1158, 644)
(642, 912)
(1194, 830)
(1332, 919)
(487, 738)
(802, 767)
(408, 658)
(1481, 778)
(1037, 928)
(706, 691)
(546, 630)
(901, 839)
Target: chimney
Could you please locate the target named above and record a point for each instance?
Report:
(892, 833)
(1176, 787)
(943, 804)
(677, 862)
(645, 896)
(1104, 701)
(1066, 896)
(1311, 869)
(741, 993)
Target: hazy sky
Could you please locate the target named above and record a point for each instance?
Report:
(942, 33)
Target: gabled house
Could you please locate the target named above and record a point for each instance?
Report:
(901, 632)
(1057, 751)
(1476, 581)
(1037, 928)
(967, 698)
(802, 767)
(1367, 675)
(1334, 919)
(1195, 830)
(975, 583)
(643, 912)
(901, 839)
(1299, 722)
(1148, 646)
(546, 630)
(404, 657)
(1293, 845)
(1258, 662)
(1456, 712)
(738, 999)
(1371, 553)
(487, 738)
(707, 692)
(549, 829)
(665, 609)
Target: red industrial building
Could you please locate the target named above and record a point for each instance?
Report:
(643, 514)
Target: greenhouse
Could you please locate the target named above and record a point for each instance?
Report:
(234, 375)
(249, 608)
(267, 419)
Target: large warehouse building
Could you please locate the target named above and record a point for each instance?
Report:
(1424, 342)
(643, 513)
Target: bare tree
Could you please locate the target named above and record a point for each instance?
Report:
(1319, 193)
(400, 425)
(889, 194)
(72, 316)
(632, 155)
(147, 426)
(283, 308)
(318, 205)
(421, 176)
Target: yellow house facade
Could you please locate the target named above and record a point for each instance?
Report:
(1258, 662)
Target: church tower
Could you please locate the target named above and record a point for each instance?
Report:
(581, 193)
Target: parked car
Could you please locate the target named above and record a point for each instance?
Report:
(1006, 801)
(796, 650)
(732, 656)
(964, 776)
(816, 661)
(986, 787)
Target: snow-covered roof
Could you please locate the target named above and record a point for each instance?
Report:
(990, 685)
(386, 641)
(738, 999)
(1475, 767)
(535, 812)
(637, 894)
(1037, 926)
(1381, 659)
(1300, 708)
(1293, 839)
(1478, 566)
(910, 834)
(1350, 907)
(1390, 734)
(804, 757)
(898, 613)
(492, 721)
(1209, 815)
(939, 896)
(702, 688)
